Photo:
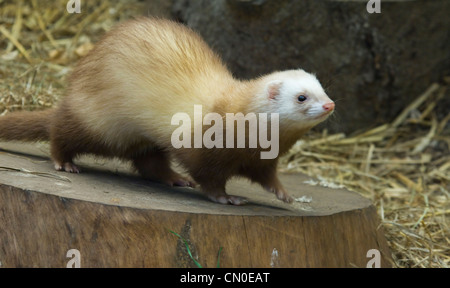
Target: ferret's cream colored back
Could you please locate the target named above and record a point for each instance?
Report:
(157, 69)
(122, 96)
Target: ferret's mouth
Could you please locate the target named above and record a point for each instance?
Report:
(321, 111)
(324, 115)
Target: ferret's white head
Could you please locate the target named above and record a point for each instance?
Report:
(298, 97)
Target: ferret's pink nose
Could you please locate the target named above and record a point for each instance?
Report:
(328, 106)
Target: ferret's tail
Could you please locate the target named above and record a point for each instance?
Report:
(26, 126)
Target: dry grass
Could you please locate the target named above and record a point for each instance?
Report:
(403, 166)
(40, 42)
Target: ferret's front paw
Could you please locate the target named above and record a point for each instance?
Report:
(285, 197)
(183, 182)
(68, 167)
(281, 194)
(228, 199)
(180, 181)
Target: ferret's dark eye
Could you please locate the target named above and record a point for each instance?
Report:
(302, 98)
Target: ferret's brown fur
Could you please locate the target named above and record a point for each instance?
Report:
(121, 98)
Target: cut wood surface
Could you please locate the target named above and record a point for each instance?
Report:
(115, 219)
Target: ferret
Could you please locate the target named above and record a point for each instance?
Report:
(121, 97)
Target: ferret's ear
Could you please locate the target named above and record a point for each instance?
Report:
(273, 89)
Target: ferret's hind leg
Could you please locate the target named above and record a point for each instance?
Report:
(67, 139)
(62, 159)
(215, 191)
(223, 198)
(155, 166)
(67, 166)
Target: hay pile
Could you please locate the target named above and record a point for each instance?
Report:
(40, 42)
(403, 166)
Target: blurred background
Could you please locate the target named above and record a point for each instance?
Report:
(388, 72)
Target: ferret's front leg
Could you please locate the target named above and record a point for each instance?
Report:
(277, 188)
(267, 177)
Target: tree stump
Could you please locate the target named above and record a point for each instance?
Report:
(112, 218)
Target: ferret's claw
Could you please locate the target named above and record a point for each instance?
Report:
(285, 197)
(68, 167)
(228, 199)
(183, 182)
(281, 194)
(235, 200)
